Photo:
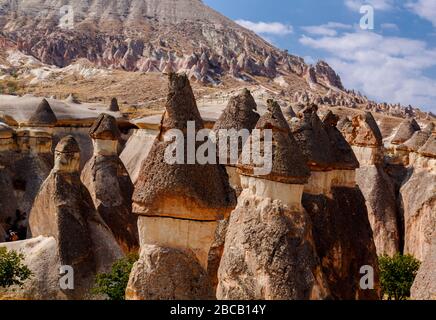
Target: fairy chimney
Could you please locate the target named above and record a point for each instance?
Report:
(179, 205)
(269, 215)
(63, 209)
(240, 115)
(114, 105)
(109, 183)
(405, 131)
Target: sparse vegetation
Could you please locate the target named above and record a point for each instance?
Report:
(397, 274)
(114, 284)
(12, 269)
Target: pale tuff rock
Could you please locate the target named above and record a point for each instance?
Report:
(325, 74)
(365, 138)
(167, 274)
(405, 131)
(42, 257)
(424, 287)
(109, 183)
(64, 210)
(179, 207)
(72, 99)
(261, 258)
(418, 196)
(379, 193)
(136, 150)
(8, 120)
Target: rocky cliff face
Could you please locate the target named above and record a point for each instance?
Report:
(141, 35)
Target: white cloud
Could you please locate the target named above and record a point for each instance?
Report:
(377, 4)
(426, 9)
(389, 26)
(328, 29)
(274, 28)
(390, 69)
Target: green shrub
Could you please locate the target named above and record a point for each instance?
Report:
(114, 284)
(12, 269)
(397, 274)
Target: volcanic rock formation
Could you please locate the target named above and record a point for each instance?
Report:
(365, 138)
(269, 250)
(109, 183)
(418, 197)
(342, 232)
(179, 205)
(240, 114)
(424, 287)
(64, 210)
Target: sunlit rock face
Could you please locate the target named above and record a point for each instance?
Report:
(420, 207)
(136, 150)
(363, 133)
(335, 204)
(63, 209)
(424, 287)
(179, 205)
(261, 258)
(109, 183)
(42, 257)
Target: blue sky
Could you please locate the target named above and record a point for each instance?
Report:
(395, 62)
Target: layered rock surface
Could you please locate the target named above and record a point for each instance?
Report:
(179, 206)
(424, 287)
(341, 229)
(109, 184)
(365, 138)
(64, 210)
(269, 251)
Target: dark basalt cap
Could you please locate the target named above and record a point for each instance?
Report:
(185, 191)
(240, 113)
(68, 145)
(429, 148)
(43, 116)
(181, 106)
(312, 138)
(288, 162)
(114, 105)
(343, 154)
(418, 139)
(405, 131)
(105, 128)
